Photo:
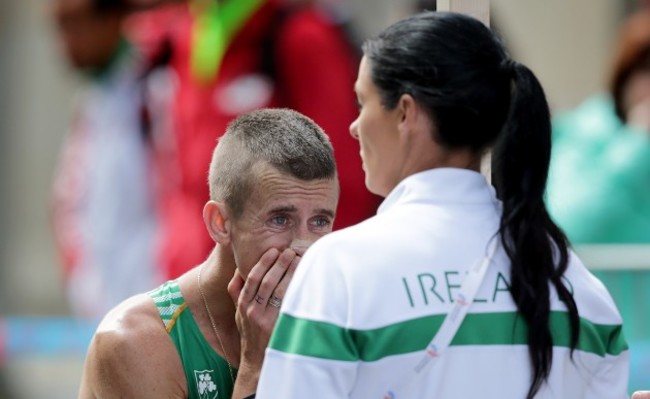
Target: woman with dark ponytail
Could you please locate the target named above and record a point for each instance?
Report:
(456, 288)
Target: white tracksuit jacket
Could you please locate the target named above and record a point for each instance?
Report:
(366, 300)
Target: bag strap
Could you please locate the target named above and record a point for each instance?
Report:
(453, 319)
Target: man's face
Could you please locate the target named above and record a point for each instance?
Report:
(282, 212)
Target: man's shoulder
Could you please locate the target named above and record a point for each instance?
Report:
(128, 329)
(132, 318)
(131, 341)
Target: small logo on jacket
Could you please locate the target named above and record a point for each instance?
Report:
(205, 384)
(461, 300)
(433, 350)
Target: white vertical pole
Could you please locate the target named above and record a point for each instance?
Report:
(479, 9)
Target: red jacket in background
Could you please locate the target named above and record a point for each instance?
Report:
(313, 71)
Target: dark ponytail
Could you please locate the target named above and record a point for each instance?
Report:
(459, 71)
(537, 248)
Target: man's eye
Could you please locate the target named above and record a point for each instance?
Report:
(280, 220)
(322, 222)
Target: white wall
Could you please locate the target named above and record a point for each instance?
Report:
(35, 98)
(566, 43)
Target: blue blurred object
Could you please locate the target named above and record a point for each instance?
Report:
(44, 336)
(639, 365)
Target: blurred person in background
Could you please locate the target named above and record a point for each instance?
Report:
(599, 185)
(103, 209)
(599, 181)
(232, 56)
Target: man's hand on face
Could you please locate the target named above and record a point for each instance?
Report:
(258, 300)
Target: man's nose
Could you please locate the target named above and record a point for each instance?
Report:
(300, 246)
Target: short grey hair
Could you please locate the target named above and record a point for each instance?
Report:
(282, 138)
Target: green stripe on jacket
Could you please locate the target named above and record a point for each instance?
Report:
(329, 341)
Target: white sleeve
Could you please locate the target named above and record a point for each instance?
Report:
(312, 353)
(612, 379)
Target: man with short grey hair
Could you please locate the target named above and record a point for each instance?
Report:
(274, 190)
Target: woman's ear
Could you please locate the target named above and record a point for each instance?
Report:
(408, 113)
(217, 220)
(414, 120)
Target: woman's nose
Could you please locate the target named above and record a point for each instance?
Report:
(354, 126)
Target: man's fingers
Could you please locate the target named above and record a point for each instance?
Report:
(282, 286)
(235, 286)
(257, 273)
(274, 276)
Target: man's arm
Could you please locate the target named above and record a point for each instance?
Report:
(131, 356)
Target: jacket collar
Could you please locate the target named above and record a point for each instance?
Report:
(443, 186)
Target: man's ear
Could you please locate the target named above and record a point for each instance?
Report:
(217, 220)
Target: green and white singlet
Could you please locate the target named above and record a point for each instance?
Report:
(207, 373)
